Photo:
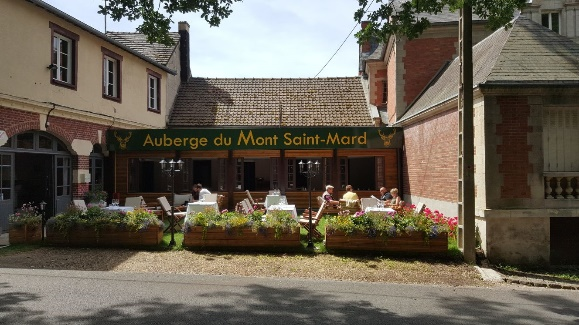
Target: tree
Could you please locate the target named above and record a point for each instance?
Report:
(410, 23)
(156, 23)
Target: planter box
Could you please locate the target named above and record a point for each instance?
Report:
(244, 237)
(413, 242)
(25, 234)
(152, 236)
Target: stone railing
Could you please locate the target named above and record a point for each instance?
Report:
(561, 185)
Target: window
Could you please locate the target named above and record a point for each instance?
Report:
(551, 21)
(111, 75)
(153, 91)
(384, 91)
(96, 168)
(63, 65)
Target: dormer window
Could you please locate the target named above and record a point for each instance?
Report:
(551, 21)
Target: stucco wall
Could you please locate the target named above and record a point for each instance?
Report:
(26, 28)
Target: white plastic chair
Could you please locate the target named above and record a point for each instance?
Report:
(134, 201)
(210, 197)
(79, 204)
(368, 202)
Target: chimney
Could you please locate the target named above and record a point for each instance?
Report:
(363, 52)
(184, 51)
(366, 45)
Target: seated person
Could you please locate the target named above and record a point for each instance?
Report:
(199, 192)
(385, 196)
(327, 196)
(395, 201)
(350, 194)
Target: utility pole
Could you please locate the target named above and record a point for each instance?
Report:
(466, 219)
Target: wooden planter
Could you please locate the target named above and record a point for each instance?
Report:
(414, 242)
(244, 237)
(151, 236)
(26, 234)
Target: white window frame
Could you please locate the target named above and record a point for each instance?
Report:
(57, 55)
(550, 15)
(153, 91)
(110, 78)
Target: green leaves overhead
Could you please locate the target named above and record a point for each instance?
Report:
(406, 18)
(157, 14)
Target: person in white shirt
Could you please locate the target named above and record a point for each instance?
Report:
(199, 192)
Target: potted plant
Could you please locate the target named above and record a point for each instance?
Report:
(211, 228)
(96, 227)
(403, 230)
(25, 225)
(96, 196)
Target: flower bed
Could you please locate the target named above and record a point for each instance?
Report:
(95, 227)
(401, 231)
(233, 229)
(25, 225)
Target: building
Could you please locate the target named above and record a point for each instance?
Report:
(66, 84)
(561, 16)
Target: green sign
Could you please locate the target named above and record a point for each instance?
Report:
(255, 138)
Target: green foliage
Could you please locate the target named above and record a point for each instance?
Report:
(156, 19)
(98, 219)
(281, 221)
(406, 220)
(95, 195)
(28, 215)
(407, 18)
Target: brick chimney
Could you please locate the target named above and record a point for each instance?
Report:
(364, 52)
(184, 51)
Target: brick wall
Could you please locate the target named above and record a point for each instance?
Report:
(15, 121)
(73, 129)
(514, 148)
(424, 57)
(430, 163)
(378, 85)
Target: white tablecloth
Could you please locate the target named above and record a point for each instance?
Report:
(285, 207)
(273, 200)
(118, 208)
(380, 210)
(201, 206)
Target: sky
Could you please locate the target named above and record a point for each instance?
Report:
(260, 39)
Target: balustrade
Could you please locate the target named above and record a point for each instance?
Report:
(561, 185)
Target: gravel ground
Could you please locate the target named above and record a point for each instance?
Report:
(315, 266)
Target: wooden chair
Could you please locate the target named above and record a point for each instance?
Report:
(305, 221)
(79, 204)
(246, 206)
(368, 202)
(253, 202)
(325, 208)
(167, 210)
(135, 202)
(419, 207)
(182, 199)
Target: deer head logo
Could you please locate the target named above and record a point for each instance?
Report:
(123, 141)
(386, 138)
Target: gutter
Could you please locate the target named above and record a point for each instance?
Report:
(98, 34)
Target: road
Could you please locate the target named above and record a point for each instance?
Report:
(90, 297)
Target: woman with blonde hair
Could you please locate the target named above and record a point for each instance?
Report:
(395, 201)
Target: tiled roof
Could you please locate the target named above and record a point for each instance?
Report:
(260, 102)
(138, 42)
(446, 16)
(526, 54)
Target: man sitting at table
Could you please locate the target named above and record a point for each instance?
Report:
(327, 196)
(350, 194)
(385, 196)
(199, 192)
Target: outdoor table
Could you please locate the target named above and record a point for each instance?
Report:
(380, 210)
(285, 207)
(118, 208)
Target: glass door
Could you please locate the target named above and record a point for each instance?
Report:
(6, 188)
(62, 182)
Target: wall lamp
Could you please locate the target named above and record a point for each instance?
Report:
(52, 66)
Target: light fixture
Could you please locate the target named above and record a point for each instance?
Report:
(170, 168)
(312, 170)
(52, 66)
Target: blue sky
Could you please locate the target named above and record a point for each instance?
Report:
(261, 38)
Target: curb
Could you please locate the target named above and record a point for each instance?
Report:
(490, 275)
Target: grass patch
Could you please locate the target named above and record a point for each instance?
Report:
(563, 272)
(18, 248)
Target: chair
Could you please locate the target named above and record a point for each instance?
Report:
(351, 205)
(79, 204)
(135, 202)
(182, 199)
(419, 207)
(210, 197)
(305, 222)
(167, 209)
(253, 203)
(368, 202)
(325, 208)
(246, 207)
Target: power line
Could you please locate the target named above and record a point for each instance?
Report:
(322, 69)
